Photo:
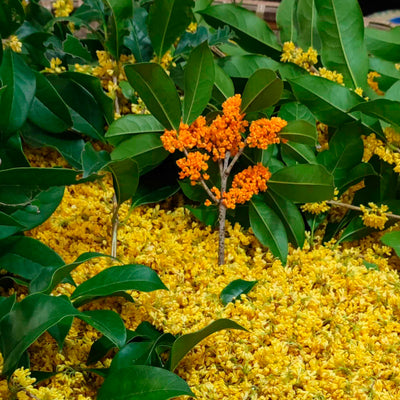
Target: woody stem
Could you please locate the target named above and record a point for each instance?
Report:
(222, 212)
(234, 159)
(355, 208)
(114, 223)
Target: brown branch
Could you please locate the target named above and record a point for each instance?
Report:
(234, 159)
(355, 208)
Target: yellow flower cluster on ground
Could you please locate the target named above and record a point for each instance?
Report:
(323, 327)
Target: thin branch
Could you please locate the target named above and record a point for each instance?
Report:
(355, 208)
(114, 223)
(234, 159)
(116, 101)
(32, 396)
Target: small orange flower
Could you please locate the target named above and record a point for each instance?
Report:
(192, 166)
(263, 132)
(245, 184)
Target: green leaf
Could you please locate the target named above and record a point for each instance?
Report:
(49, 278)
(11, 153)
(37, 207)
(290, 216)
(8, 226)
(247, 65)
(385, 109)
(300, 132)
(134, 353)
(392, 239)
(235, 289)
(223, 85)
(6, 304)
(116, 279)
(121, 10)
(294, 111)
(48, 110)
(92, 160)
(125, 178)
(303, 183)
(73, 46)
(185, 343)
(307, 33)
(341, 27)
(383, 67)
(193, 192)
(262, 90)
(167, 20)
(158, 92)
(328, 101)
(132, 124)
(394, 91)
(355, 230)
(208, 215)
(146, 149)
(199, 81)
(27, 257)
(286, 21)
(28, 320)
(60, 331)
(369, 265)
(293, 153)
(108, 322)
(16, 98)
(384, 44)
(268, 228)
(150, 383)
(70, 146)
(253, 34)
(12, 16)
(346, 178)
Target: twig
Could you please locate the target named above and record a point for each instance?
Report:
(234, 159)
(116, 101)
(114, 223)
(355, 208)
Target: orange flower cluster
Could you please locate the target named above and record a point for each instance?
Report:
(223, 135)
(247, 183)
(263, 132)
(193, 165)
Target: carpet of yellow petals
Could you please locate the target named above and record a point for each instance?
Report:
(323, 327)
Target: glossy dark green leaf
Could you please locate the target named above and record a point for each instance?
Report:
(290, 216)
(300, 131)
(303, 183)
(384, 67)
(199, 81)
(132, 124)
(49, 278)
(286, 21)
(27, 257)
(70, 146)
(384, 44)
(246, 65)
(11, 153)
(307, 33)
(355, 230)
(294, 153)
(393, 92)
(92, 160)
(328, 101)
(392, 239)
(262, 90)
(28, 320)
(73, 46)
(185, 343)
(6, 304)
(38, 207)
(60, 331)
(294, 111)
(138, 41)
(253, 34)
(125, 178)
(268, 228)
(48, 110)
(134, 353)
(20, 85)
(385, 109)
(208, 215)
(193, 192)
(167, 20)
(345, 178)
(235, 289)
(223, 85)
(8, 226)
(146, 149)
(150, 383)
(121, 10)
(341, 27)
(118, 278)
(12, 16)
(108, 322)
(158, 92)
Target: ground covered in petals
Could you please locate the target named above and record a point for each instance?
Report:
(322, 327)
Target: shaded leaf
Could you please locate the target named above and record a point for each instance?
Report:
(92, 160)
(383, 44)
(235, 289)
(307, 33)
(300, 132)
(208, 215)
(286, 21)
(392, 239)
